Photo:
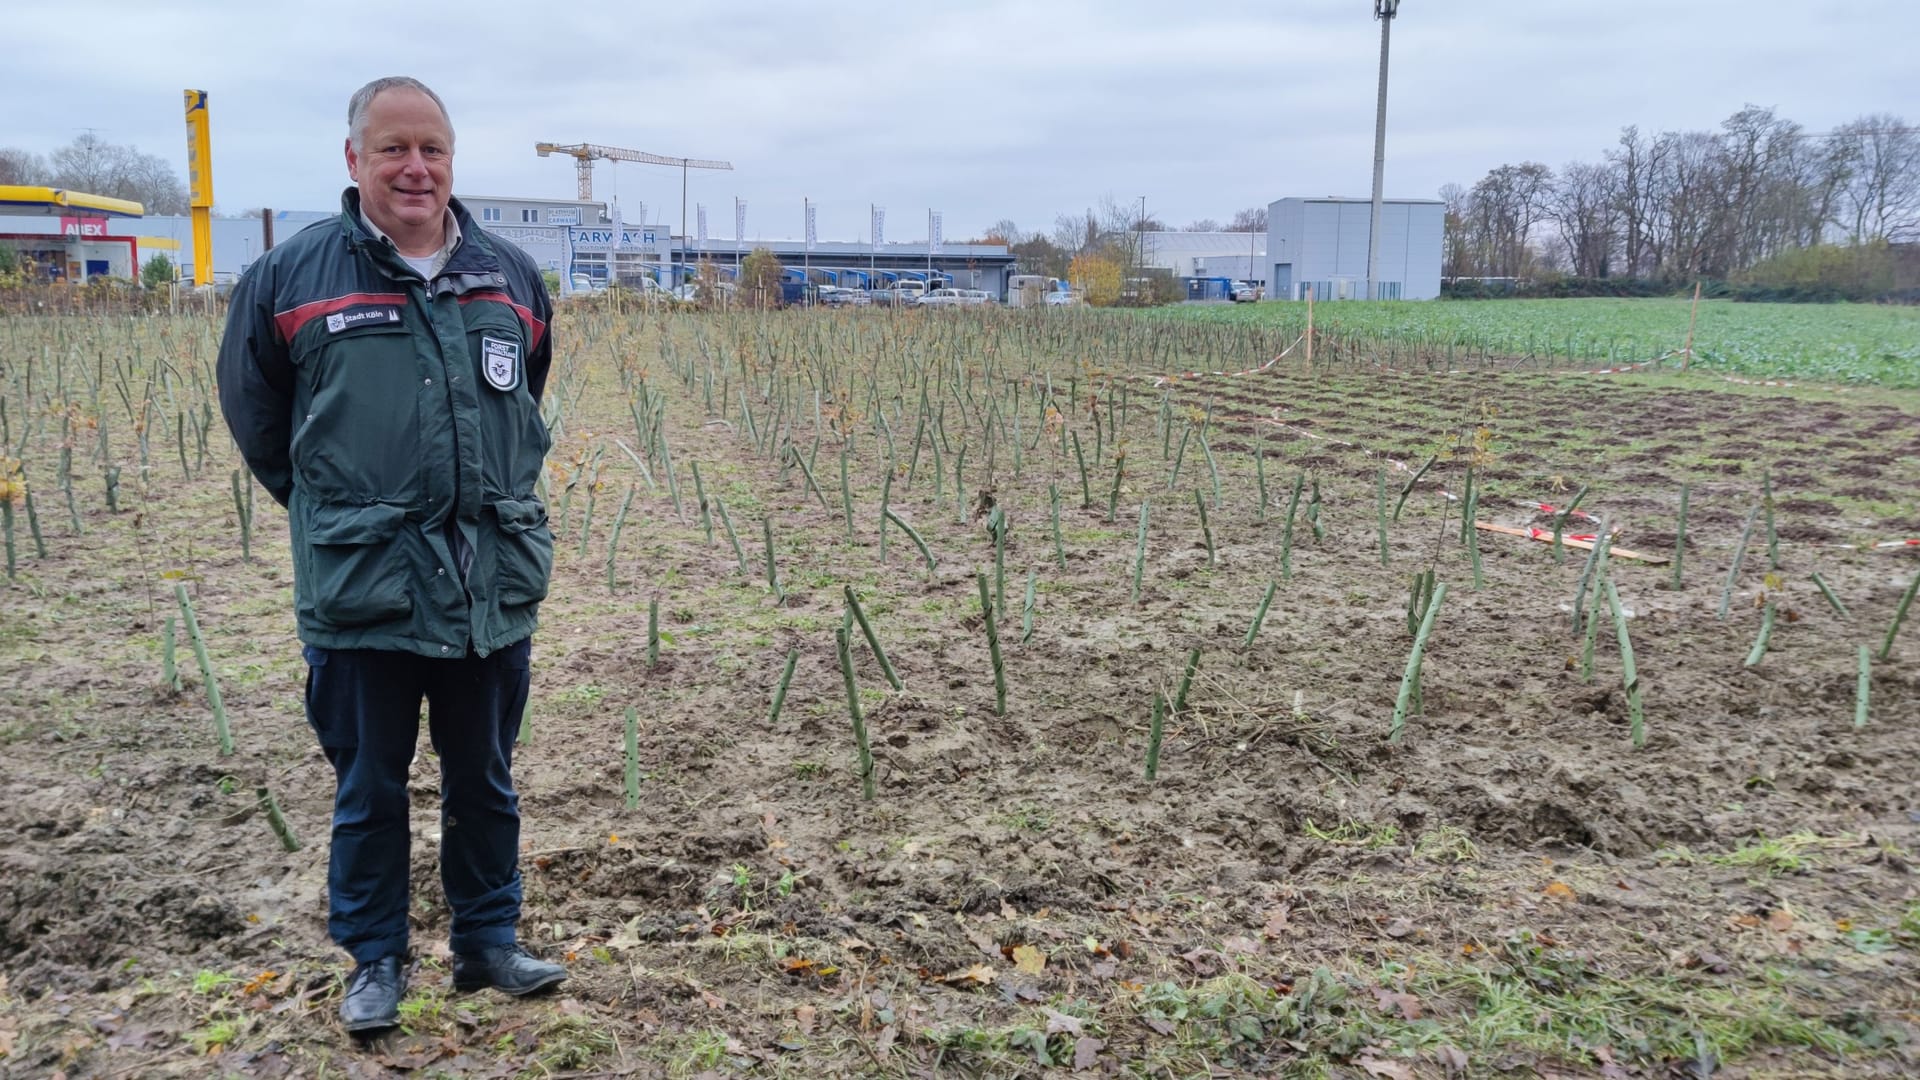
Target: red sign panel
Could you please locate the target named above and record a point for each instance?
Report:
(86, 228)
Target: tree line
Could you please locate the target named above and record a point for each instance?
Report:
(1683, 205)
(97, 167)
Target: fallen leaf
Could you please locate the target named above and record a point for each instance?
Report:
(1278, 921)
(1244, 946)
(981, 940)
(1404, 1005)
(884, 1041)
(1392, 1070)
(1059, 1023)
(1452, 1057)
(1086, 1052)
(1205, 961)
(1780, 921)
(713, 1000)
(805, 1016)
(977, 975)
(1399, 928)
(1559, 890)
(1029, 960)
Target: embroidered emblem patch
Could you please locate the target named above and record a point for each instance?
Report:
(500, 362)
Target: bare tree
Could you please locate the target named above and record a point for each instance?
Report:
(1881, 196)
(1456, 259)
(1251, 219)
(1075, 233)
(22, 167)
(1205, 224)
(98, 167)
(1586, 208)
(1502, 210)
(1691, 203)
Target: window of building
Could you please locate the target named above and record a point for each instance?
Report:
(530, 216)
(489, 213)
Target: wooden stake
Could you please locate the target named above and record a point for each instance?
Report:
(1309, 327)
(1686, 357)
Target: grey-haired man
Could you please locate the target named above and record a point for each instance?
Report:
(382, 373)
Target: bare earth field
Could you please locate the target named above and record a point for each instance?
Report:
(1512, 889)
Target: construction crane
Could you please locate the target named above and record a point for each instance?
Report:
(585, 154)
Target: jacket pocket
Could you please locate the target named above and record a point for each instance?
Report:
(357, 424)
(523, 559)
(355, 574)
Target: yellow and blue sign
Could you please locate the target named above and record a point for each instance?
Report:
(199, 151)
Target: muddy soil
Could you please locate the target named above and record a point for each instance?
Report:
(756, 916)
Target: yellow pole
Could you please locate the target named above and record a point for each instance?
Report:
(200, 184)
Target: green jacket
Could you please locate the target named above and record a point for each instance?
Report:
(398, 421)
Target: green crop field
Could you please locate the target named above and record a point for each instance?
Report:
(1845, 343)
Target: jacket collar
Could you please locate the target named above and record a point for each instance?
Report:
(473, 263)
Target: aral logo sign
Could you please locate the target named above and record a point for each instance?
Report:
(86, 228)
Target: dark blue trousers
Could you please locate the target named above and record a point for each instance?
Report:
(365, 707)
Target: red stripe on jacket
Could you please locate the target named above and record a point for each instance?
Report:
(536, 329)
(290, 321)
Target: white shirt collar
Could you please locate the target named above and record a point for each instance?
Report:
(446, 247)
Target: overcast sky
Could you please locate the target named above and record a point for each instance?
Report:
(1014, 109)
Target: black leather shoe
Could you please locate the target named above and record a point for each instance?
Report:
(373, 996)
(507, 968)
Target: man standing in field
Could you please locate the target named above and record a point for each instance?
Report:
(382, 374)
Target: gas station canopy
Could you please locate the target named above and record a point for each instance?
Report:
(55, 202)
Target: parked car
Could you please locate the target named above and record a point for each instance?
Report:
(841, 296)
(906, 293)
(1245, 292)
(694, 292)
(1061, 299)
(943, 298)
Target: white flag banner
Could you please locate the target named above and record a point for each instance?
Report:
(810, 229)
(933, 232)
(619, 227)
(739, 220)
(879, 225)
(701, 215)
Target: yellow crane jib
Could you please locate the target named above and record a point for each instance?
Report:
(585, 154)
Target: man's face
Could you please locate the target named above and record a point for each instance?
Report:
(404, 165)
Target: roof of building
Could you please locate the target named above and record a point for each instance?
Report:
(1355, 199)
(26, 199)
(1207, 243)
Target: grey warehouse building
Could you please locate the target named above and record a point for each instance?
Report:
(1320, 244)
